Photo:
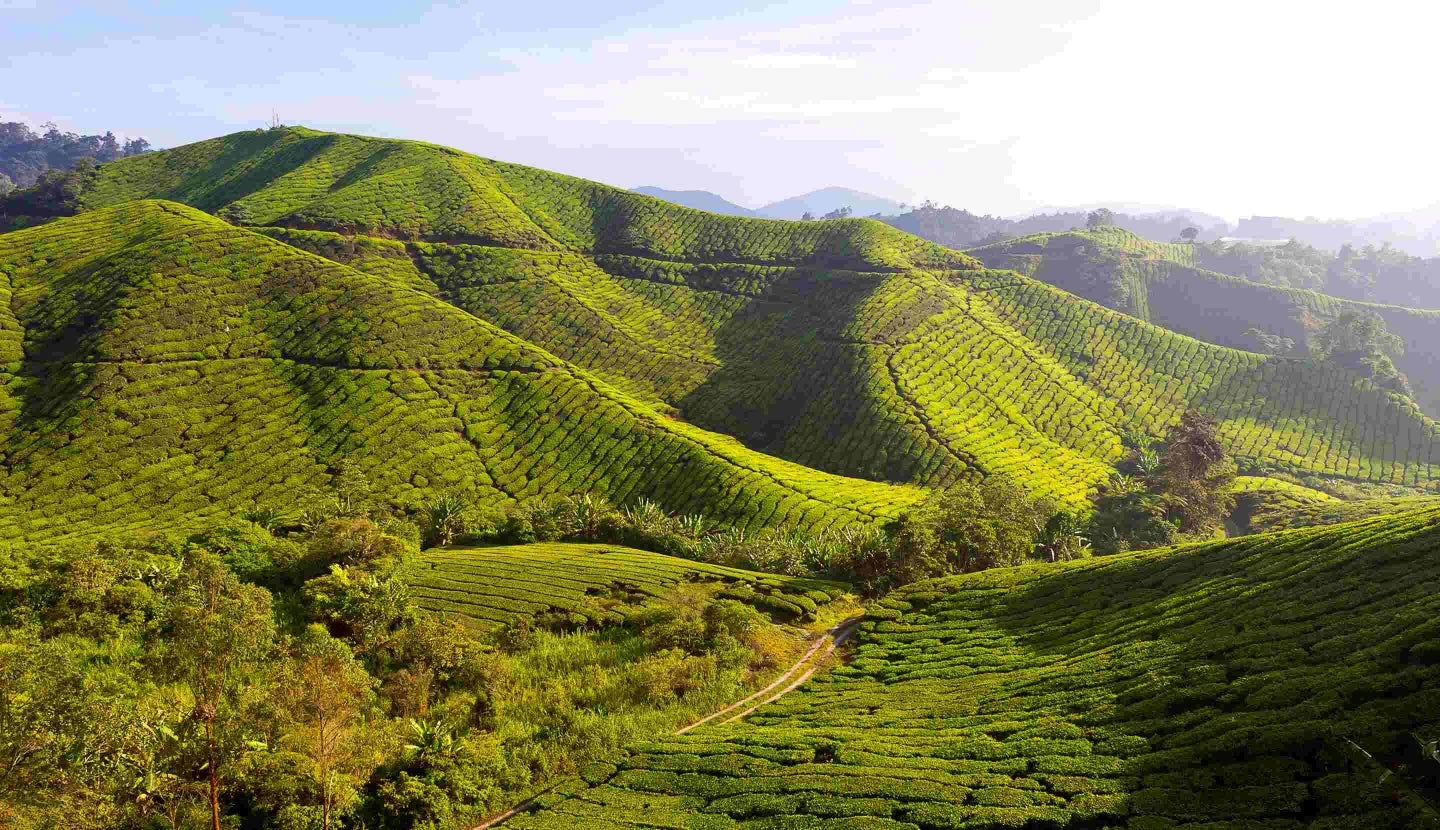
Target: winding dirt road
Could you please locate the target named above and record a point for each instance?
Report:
(805, 667)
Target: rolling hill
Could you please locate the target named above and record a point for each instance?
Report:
(846, 346)
(588, 584)
(817, 203)
(1281, 681)
(1158, 282)
(163, 367)
(698, 199)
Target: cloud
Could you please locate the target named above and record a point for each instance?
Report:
(998, 106)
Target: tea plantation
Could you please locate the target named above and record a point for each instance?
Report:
(1160, 283)
(589, 585)
(1282, 681)
(163, 368)
(845, 346)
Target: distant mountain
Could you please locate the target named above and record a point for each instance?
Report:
(698, 199)
(820, 202)
(1137, 210)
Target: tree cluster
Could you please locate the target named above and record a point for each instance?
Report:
(1166, 493)
(1359, 341)
(263, 674)
(25, 155)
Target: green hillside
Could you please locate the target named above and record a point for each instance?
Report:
(1280, 681)
(162, 367)
(1160, 283)
(845, 346)
(589, 585)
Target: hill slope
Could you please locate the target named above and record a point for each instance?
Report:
(817, 203)
(589, 585)
(162, 366)
(847, 346)
(1158, 282)
(698, 199)
(1237, 685)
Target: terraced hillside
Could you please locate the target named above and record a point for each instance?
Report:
(1280, 681)
(162, 367)
(1159, 283)
(846, 346)
(589, 585)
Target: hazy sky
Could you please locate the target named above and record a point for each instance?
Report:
(1257, 106)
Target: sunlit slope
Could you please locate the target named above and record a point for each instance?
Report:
(589, 585)
(1234, 685)
(297, 177)
(846, 346)
(1158, 282)
(163, 367)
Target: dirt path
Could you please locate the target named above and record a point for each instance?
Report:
(810, 661)
(834, 636)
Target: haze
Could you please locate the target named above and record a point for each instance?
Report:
(1230, 107)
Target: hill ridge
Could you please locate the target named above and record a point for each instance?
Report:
(489, 367)
(845, 346)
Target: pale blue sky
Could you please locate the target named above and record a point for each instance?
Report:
(1230, 106)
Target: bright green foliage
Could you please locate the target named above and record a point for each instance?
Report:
(1298, 416)
(1282, 513)
(1162, 283)
(165, 367)
(587, 585)
(842, 345)
(1215, 686)
(1264, 503)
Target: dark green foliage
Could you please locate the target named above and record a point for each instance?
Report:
(1359, 341)
(1207, 686)
(26, 156)
(57, 193)
(964, 528)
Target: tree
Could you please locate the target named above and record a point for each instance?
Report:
(1100, 218)
(326, 691)
(58, 193)
(1063, 537)
(218, 631)
(838, 213)
(446, 521)
(807, 216)
(1190, 234)
(1196, 474)
(1359, 341)
(964, 528)
(353, 493)
(6, 185)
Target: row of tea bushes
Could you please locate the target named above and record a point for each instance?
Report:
(1224, 685)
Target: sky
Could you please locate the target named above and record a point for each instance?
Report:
(1273, 107)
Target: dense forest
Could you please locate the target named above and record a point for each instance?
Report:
(957, 228)
(26, 156)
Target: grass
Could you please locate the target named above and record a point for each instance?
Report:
(591, 585)
(1161, 283)
(164, 368)
(1225, 685)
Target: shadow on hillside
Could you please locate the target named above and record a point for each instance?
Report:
(1258, 657)
(795, 383)
(199, 190)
